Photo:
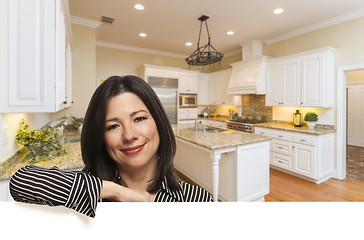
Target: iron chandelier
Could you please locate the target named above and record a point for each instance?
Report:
(206, 54)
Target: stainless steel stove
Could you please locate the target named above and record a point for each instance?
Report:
(245, 125)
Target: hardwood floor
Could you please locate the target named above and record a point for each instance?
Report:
(287, 188)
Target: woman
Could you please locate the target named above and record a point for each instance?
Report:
(127, 146)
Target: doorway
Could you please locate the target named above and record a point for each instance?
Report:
(342, 119)
(355, 125)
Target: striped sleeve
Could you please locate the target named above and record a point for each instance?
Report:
(193, 193)
(54, 187)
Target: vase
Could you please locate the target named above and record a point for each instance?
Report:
(311, 125)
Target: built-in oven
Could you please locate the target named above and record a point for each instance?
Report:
(187, 100)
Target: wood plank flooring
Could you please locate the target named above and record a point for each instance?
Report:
(287, 188)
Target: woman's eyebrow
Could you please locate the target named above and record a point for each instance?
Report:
(131, 115)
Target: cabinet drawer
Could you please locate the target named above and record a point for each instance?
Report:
(282, 135)
(264, 131)
(216, 123)
(281, 161)
(187, 111)
(187, 116)
(282, 147)
(304, 139)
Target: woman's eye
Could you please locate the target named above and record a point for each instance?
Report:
(111, 127)
(139, 119)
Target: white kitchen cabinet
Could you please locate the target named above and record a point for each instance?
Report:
(304, 79)
(218, 94)
(203, 89)
(187, 113)
(303, 155)
(188, 82)
(159, 71)
(35, 62)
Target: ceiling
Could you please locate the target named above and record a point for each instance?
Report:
(169, 24)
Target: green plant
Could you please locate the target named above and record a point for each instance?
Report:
(42, 144)
(77, 122)
(236, 114)
(311, 117)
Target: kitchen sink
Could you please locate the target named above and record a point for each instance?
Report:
(212, 130)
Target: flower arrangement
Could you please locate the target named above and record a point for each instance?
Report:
(42, 144)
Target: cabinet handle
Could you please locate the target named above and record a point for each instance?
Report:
(280, 161)
(302, 140)
(65, 102)
(280, 147)
(280, 136)
(262, 133)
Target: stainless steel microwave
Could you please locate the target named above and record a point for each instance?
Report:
(187, 100)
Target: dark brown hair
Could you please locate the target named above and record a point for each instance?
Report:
(94, 153)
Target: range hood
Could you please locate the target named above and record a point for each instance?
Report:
(248, 76)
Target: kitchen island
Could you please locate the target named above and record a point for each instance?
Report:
(233, 165)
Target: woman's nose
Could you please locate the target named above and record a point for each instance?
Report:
(129, 133)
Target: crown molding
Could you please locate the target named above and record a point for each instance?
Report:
(85, 22)
(138, 49)
(319, 25)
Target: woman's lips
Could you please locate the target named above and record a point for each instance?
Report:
(133, 150)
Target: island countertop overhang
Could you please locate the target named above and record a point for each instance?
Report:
(216, 140)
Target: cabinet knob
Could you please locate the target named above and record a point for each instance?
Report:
(65, 102)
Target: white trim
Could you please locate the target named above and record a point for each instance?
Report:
(138, 49)
(316, 26)
(85, 22)
(341, 119)
(355, 83)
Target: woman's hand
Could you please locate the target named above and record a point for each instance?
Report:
(118, 193)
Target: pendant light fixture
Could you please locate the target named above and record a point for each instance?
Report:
(206, 54)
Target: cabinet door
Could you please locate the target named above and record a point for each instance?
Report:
(213, 81)
(274, 85)
(291, 82)
(203, 89)
(303, 160)
(312, 80)
(187, 82)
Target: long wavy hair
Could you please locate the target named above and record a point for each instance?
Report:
(94, 153)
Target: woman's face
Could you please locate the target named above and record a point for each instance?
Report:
(131, 135)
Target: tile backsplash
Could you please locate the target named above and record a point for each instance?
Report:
(254, 105)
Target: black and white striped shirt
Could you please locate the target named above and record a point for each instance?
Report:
(81, 191)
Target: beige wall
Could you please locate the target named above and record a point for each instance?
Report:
(83, 71)
(355, 76)
(111, 61)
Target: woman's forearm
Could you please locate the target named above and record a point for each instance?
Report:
(118, 193)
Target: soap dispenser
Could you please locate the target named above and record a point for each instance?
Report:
(297, 119)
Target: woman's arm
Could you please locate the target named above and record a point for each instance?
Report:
(54, 187)
(118, 193)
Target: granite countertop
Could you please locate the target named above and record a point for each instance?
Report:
(71, 160)
(226, 138)
(288, 126)
(221, 118)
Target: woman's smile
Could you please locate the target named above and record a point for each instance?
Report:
(133, 150)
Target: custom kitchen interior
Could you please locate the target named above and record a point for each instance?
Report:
(275, 114)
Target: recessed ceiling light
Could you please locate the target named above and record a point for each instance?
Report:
(230, 33)
(139, 7)
(188, 44)
(142, 34)
(278, 11)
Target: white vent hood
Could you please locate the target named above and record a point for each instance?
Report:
(248, 76)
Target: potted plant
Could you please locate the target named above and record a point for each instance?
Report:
(78, 123)
(42, 144)
(311, 119)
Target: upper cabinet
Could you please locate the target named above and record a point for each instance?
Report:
(305, 79)
(218, 89)
(36, 60)
(188, 82)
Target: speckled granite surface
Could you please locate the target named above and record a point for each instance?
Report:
(227, 138)
(71, 160)
(288, 126)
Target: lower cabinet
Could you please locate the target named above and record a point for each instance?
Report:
(304, 155)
